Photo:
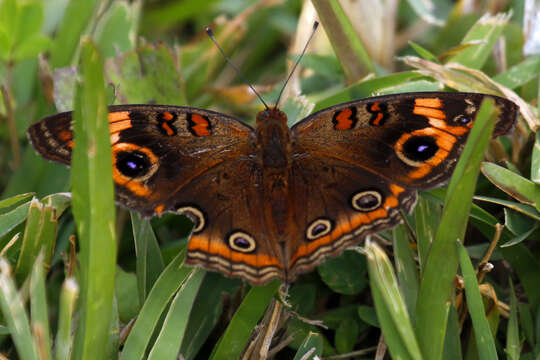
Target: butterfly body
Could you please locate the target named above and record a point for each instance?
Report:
(273, 202)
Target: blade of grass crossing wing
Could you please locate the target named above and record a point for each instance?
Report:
(164, 289)
(172, 333)
(243, 323)
(484, 339)
(14, 314)
(427, 215)
(437, 282)
(349, 49)
(93, 207)
(38, 309)
(390, 306)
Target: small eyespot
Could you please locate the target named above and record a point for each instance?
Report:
(462, 119)
(241, 241)
(195, 215)
(420, 148)
(319, 228)
(366, 201)
(132, 164)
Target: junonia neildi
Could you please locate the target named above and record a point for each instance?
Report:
(273, 201)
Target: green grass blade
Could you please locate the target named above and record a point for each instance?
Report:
(349, 49)
(452, 342)
(14, 314)
(245, 319)
(38, 309)
(11, 219)
(439, 272)
(76, 18)
(149, 260)
(15, 199)
(311, 348)
(486, 31)
(427, 215)
(68, 298)
(513, 343)
(174, 327)
(484, 339)
(93, 207)
(164, 289)
(511, 183)
(520, 74)
(390, 305)
(406, 269)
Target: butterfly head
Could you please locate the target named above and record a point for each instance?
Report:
(271, 115)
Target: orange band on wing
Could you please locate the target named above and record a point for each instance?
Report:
(202, 244)
(343, 120)
(429, 102)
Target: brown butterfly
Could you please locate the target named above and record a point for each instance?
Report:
(273, 202)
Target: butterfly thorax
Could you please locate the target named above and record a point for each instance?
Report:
(274, 148)
(273, 140)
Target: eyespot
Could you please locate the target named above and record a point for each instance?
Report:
(241, 241)
(462, 119)
(132, 164)
(319, 228)
(367, 200)
(195, 215)
(420, 148)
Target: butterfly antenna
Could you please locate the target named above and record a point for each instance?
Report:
(211, 35)
(315, 25)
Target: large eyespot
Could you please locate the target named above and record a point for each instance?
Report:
(319, 228)
(132, 164)
(241, 241)
(195, 215)
(420, 148)
(367, 200)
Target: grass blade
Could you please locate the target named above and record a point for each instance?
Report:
(38, 309)
(390, 306)
(15, 315)
(440, 269)
(174, 327)
(513, 343)
(484, 339)
(68, 298)
(251, 310)
(349, 49)
(164, 289)
(93, 207)
(311, 348)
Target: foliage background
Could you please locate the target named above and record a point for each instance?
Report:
(135, 300)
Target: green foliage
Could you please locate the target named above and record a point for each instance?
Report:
(121, 289)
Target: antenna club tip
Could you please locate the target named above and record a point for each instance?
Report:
(209, 31)
(315, 25)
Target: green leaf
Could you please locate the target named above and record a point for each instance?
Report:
(535, 163)
(520, 74)
(484, 34)
(438, 277)
(406, 268)
(452, 342)
(68, 298)
(423, 52)
(522, 208)
(345, 274)
(115, 32)
(149, 260)
(346, 335)
(513, 184)
(250, 311)
(390, 306)
(311, 348)
(93, 207)
(349, 49)
(14, 314)
(513, 343)
(31, 47)
(174, 327)
(38, 308)
(484, 339)
(368, 314)
(428, 10)
(6, 203)
(170, 280)
(9, 220)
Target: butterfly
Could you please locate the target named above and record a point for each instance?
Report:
(272, 201)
